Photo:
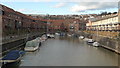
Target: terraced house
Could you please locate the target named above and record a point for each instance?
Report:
(105, 24)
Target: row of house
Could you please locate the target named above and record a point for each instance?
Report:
(66, 25)
(104, 23)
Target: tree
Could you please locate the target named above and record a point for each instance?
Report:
(104, 13)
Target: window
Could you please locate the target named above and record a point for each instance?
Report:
(33, 20)
(3, 13)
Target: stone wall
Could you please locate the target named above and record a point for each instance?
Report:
(109, 43)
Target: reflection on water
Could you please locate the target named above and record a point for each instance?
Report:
(66, 51)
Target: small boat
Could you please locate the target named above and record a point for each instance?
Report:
(81, 37)
(50, 36)
(12, 58)
(69, 35)
(31, 45)
(96, 44)
(38, 39)
(57, 34)
(44, 37)
(90, 41)
(85, 39)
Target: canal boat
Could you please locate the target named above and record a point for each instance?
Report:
(85, 39)
(90, 41)
(69, 35)
(31, 46)
(12, 58)
(38, 39)
(81, 37)
(96, 44)
(50, 35)
(44, 37)
(57, 34)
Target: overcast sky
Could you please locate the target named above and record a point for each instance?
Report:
(62, 7)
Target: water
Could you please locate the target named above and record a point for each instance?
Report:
(69, 52)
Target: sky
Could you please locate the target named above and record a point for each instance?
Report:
(61, 7)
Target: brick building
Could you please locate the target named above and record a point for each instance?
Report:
(14, 22)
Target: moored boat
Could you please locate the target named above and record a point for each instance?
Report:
(69, 35)
(96, 44)
(50, 35)
(43, 38)
(57, 34)
(90, 41)
(31, 45)
(81, 37)
(12, 58)
(85, 39)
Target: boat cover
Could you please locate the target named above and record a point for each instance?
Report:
(13, 55)
(32, 43)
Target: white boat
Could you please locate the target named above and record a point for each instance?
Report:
(90, 41)
(57, 34)
(48, 35)
(31, 45)
(43, 37)
(52, 36)
(69, 35)
(85, 39)
(81, 37)
(96, 44)
(38, 39)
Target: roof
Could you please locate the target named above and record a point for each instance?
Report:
(102, 18)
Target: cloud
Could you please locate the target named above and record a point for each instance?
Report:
(83, 6)
(60, 5)
(29, 11)
(26, 0)
(59, 0)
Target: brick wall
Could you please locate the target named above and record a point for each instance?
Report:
(13, 20)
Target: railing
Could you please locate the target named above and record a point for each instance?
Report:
(17, 37)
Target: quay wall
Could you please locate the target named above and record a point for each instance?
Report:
(112, 44)
(17, 44)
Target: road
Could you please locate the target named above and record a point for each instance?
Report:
(65, 51)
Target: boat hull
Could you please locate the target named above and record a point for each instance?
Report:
(16, 63)
(31, 49)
